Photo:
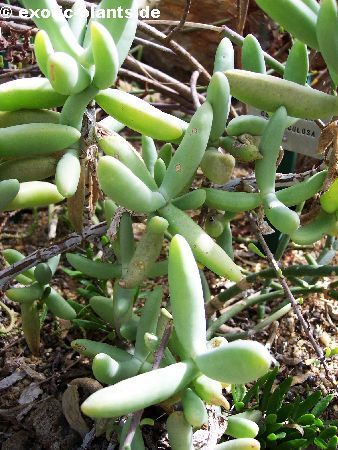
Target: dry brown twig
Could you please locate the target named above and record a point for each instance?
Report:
(295, 306)
(283, 180)
(242, 8)
(242, 13)
(88, 234)
(115, 223)
(224, 31)
(146, 29)
(178, 49)
(12, 72)
(162, 77)
(153, 45)
(158, 86)
(181, 22)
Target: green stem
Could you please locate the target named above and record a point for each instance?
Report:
(299, 282)
(281, 312)
(255, 300)
(311, 260)
(205, 286)
(31, 326)
(292, 271)
(265, 289)
(325, 257)
(282, 245)
(74, 109)
(274, 285)
(272, 318)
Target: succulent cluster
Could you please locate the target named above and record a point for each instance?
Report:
(193, 369)
(80, 62)
(36, 293)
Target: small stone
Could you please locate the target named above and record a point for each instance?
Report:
(325, 339)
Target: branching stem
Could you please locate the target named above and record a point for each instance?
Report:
(136, 417)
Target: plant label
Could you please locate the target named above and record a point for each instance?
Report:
(301, 137)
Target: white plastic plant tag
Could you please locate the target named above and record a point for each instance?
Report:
(301, 137)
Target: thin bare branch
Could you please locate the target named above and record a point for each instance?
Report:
(224, 31)
(165, 79)
(194, 94)
(181, 22)
(242, 7)
(178, 49)
(89, 233)
(13, 72)
(11, 25)
(171, 93)
(305, 326)
(151, 44)
(283, 180)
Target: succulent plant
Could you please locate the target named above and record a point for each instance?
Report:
(80, 62)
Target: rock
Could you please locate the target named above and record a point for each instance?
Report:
(201, 44)
(50, 427)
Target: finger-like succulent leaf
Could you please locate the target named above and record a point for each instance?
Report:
(186, 297)
(238, 362)
(126, 189)
(126, 396)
